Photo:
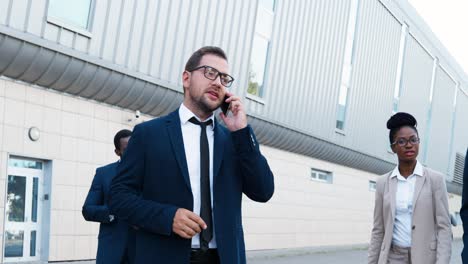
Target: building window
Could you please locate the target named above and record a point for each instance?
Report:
(429, 111)
(372, 186)
(454, 116)
(74, 12)
(348, 61)
(261, 47)
(321, 176)
(401, 57)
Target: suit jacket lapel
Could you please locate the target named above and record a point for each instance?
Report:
(175, 134)
(417, 189)
(218, 149)
(392, 187)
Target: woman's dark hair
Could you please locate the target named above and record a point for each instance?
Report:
(121, 134)
(400, 120)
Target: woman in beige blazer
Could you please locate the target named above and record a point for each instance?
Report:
(411, 215)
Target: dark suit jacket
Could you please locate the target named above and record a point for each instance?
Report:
(155, 163)
(464, 211)
(112, 235)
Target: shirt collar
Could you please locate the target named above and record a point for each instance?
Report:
(185, 114)
(418, 170)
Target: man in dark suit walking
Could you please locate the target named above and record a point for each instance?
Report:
(192, 172)
(113, 232)
(464, 211)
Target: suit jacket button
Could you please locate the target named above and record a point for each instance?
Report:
(413, 227)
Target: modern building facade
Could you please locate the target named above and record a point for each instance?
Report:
(319, 80)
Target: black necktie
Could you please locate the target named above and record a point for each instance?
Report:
(205, 204)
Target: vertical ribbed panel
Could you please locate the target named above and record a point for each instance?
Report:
(154, 38)
(460, 140)
(441, 122)
(30, 16)
(416, 84)
(4, 11)
(307, 47)
(373, 79)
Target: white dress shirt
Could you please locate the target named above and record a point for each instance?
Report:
(191, 136)
(404, 206)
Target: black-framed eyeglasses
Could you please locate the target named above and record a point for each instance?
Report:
(403, 141)
(212, 73)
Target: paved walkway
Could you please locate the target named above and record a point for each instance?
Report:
(325, 255)
(331, 256)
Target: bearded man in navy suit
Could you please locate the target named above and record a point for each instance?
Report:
(113, 239)
(464, 211)
(183, 176)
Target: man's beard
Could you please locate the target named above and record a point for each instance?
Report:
(203, 105)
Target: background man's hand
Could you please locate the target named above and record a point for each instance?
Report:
(187, 224)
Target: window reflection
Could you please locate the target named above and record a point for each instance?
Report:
(25, 163)
(32, 244)
(15, 198)
(34, 199)
(75, 12)
(14, 243)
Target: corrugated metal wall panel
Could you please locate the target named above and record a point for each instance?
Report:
(460, 140)
(373, 80)
(135, 40)
(51, 32)
(239, 53)
(441, 122)
(147, 39)
(111, 30)
(306, 58)
(416, 84)
(36, 16)
(178, 57)
(66, 37)
(124, 28)
(101, 14)
(153, 39)
(18, 14)
(169, 38)
(4, 11)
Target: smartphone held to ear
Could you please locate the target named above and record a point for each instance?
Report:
(225, 106)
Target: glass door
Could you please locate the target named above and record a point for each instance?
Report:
(23, 210)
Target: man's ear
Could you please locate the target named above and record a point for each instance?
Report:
(186, 79)
(117, 152)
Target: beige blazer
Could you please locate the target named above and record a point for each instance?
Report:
(431, 240)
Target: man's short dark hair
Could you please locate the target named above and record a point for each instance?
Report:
(121, 134)
(196, 57)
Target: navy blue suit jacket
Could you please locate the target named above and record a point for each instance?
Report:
(464, 211)
(112, 235)
(155, 163)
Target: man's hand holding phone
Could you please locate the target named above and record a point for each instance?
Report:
(238, 119)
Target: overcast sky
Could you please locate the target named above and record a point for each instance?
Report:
(448, 19)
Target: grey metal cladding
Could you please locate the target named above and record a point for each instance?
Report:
(373, 80)
(460, 141)
(307, 45)
(441, 119)
(136, 50)
(31, 63)
(274, 135)
(416, 83)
